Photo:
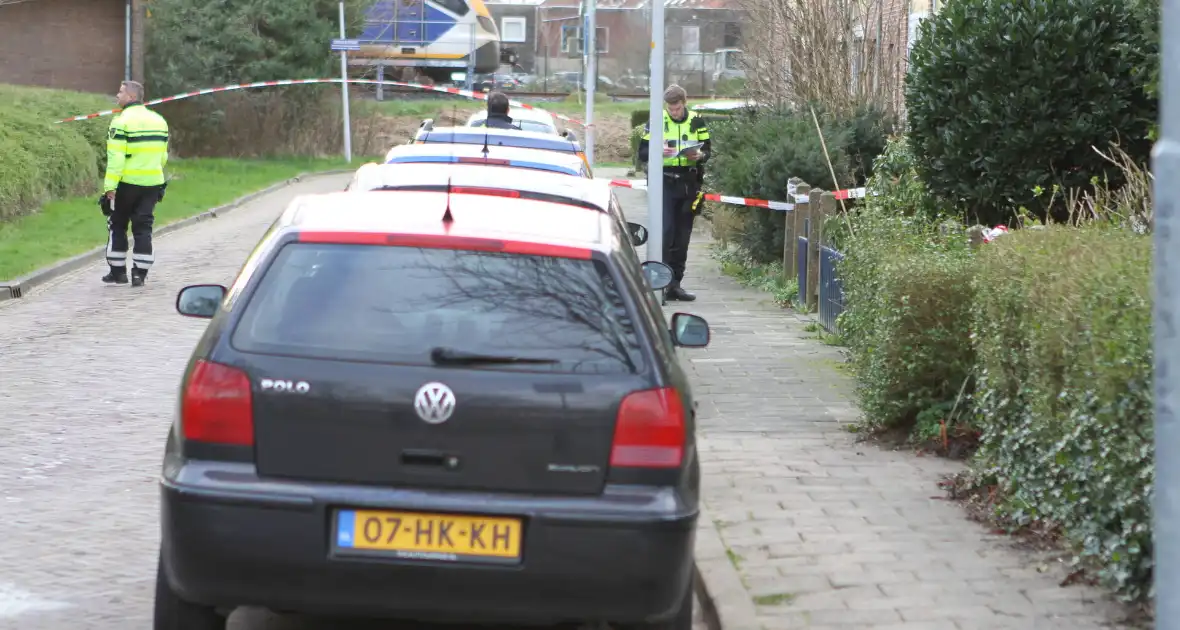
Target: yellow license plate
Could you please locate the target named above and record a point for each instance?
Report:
(416, 535)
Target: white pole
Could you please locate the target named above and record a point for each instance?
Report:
(655, 147)
(591, 77)
(1166, 166)
(127, 45)
(344, 92)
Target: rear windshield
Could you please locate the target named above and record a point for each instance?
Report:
(396, 304)
(523, 125)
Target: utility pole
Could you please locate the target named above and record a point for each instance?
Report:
(655, 146)
(344, 92)
(590, 34)
(1166, 167)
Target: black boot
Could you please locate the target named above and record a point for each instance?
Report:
(138, 276)
(674, 292)
(118, 275)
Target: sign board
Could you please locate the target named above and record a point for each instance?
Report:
(346, 44)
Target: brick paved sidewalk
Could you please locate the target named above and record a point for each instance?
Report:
(826, 533)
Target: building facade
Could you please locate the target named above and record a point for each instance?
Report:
(517, 22)
(71, 44)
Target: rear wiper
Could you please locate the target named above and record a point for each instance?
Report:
(450, 356)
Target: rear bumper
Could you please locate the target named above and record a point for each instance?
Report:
(231, 539)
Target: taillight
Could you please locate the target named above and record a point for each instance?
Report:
(217, 405)
(649, 430)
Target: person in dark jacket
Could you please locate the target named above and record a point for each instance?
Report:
(498, 117)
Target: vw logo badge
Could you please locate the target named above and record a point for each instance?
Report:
(434, 403)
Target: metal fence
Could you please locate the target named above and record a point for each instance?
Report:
(801, 265)
(831, 289)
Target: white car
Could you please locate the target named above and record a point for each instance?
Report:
(531, 160)
(526, 119)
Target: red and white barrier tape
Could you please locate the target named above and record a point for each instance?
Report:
(783, 206)
(258, 84)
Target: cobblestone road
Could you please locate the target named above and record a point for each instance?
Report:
(88, 378)
(827, 533)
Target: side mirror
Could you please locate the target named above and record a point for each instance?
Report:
(427, 124)
(690, 331)
(638, 233)
(200, 300)
(658, 274)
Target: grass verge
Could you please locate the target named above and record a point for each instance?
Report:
(72, 226)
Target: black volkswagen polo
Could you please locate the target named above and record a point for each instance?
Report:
(467, 409)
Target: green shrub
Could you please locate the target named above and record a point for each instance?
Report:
(639, 117)
(1004, 97)
(43, 160)
(754, 156)
(1063, 322)
(908, 293)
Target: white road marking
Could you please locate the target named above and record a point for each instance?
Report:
(15, 601)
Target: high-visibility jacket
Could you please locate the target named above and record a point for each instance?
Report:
(137, 148)
(691, 130)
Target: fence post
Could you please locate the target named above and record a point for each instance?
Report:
(798, 219)
(815, 212)
(788, 230)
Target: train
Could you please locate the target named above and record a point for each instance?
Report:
(436, 38)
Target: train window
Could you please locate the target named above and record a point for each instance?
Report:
(458, 7)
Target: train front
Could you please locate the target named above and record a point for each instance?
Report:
(435, 37)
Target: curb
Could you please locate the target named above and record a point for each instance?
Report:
(724, 599)
(20, 287)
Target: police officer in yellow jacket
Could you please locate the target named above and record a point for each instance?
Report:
(137, 150)
(683, 176)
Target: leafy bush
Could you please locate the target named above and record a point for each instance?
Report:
(755, 156)
(639, 117)
(197, 44)
(908, 293)
(43, 160)
(1003, 98)
(1063, 321)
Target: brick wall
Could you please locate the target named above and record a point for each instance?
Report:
(68, 44)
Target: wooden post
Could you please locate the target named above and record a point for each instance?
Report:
(817, 211)
(799, 228)
(788, 230)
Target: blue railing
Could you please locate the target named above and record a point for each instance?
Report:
(801, 265)
(831, 289)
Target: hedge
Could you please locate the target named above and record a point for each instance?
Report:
(1006, 97)
(43, 160)
(1063, 337)
(909, 288)
(755, 155)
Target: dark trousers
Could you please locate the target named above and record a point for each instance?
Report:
(678, 219)
(134, 205)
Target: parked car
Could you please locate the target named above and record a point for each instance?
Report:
(526, 119)
(434, 406)
(566, 143)
(506, 156)
(499, 181)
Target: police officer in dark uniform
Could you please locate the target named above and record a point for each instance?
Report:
(684, 175)
(498, 117)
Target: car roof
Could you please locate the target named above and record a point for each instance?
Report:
(372, 176)
(474, 216)
(502, 137)
(569, 162)
(520, 113)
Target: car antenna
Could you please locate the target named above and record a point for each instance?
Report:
(485, 143)
(448, 218)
